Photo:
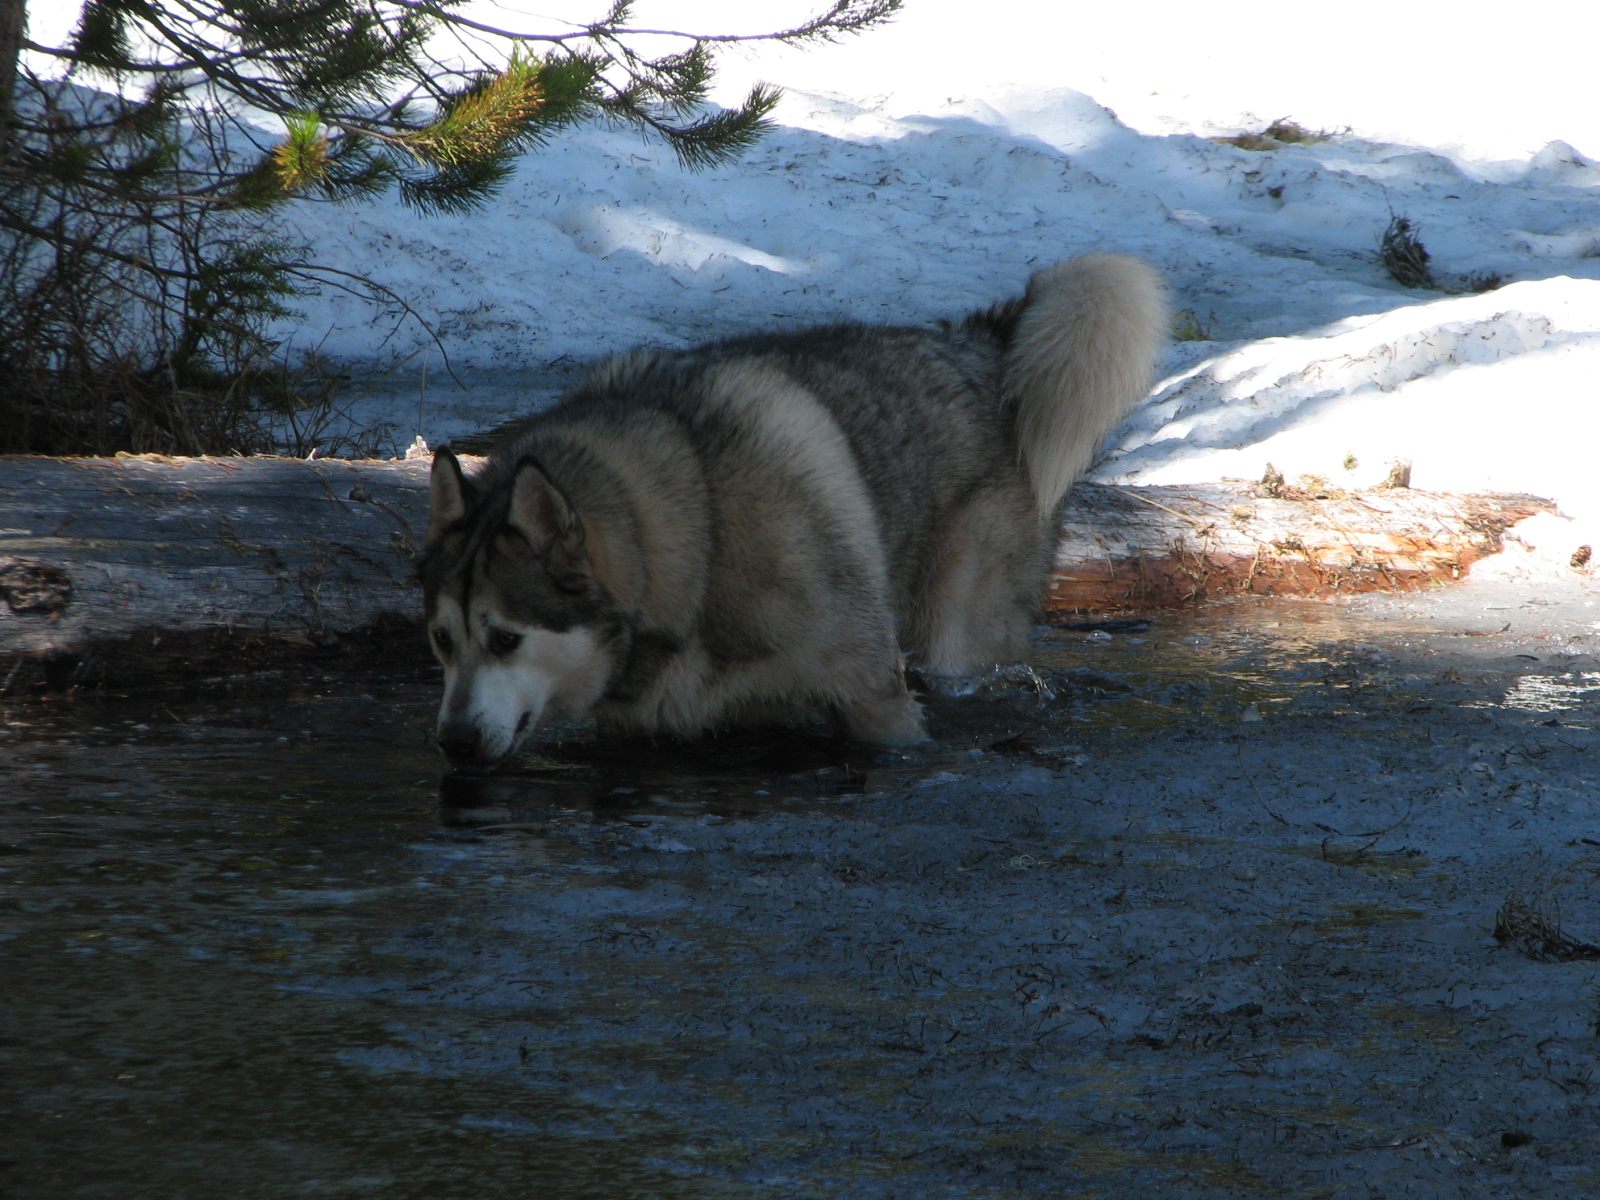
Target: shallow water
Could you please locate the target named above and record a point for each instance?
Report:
(256, 943)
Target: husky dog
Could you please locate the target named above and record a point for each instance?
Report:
(769, 527)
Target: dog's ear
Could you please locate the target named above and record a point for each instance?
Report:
(451, 497)
(539, 511)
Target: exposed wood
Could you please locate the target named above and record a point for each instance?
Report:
(1155, 547)
(140, 565)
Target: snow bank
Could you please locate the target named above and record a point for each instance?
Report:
(928, 167)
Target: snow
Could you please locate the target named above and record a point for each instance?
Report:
(927, 167)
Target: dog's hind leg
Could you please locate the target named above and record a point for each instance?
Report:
(982, 598)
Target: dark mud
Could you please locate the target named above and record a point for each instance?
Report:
(1212, 913)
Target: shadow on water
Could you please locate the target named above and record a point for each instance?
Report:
(229, 916)
(1022, 714)
(728, 775)
(207, 906)
(745, 773)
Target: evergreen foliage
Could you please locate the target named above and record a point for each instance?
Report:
(135, 280)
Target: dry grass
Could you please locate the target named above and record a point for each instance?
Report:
(1532, 927)
(1403, 255)
(1282, 132)
(1188, 327)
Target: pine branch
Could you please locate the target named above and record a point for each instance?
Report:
(481, 121)
(842, 17)
(717, 138)
(101, 38)
(456, 189)
(301, 159)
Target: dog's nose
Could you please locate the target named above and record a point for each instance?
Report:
(460, 743)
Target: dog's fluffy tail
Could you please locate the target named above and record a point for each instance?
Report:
(1081, 346)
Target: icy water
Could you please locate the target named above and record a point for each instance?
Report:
(254, 942)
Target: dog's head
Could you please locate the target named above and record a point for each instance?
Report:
(515, 614)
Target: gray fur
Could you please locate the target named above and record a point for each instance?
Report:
(767, 527)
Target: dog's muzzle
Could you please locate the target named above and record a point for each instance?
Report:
(464, 745)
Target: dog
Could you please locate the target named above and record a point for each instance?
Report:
(768, 528)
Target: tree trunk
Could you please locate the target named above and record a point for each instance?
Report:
(13, 20)
(129, 568)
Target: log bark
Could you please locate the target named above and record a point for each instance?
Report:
(136, 567)
(119, 569)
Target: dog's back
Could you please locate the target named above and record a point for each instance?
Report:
(772, 521)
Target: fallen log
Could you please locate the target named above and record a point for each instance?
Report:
(1157, 547)
(120, 569)
(113, 570)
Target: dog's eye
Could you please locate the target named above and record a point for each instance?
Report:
(441, 640)
(502, 642)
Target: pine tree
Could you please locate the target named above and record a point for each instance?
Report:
(131, 277)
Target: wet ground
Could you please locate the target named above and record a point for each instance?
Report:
(1278, 900)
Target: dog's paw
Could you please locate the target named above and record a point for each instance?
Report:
(894, 721)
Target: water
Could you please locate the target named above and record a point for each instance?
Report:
(177, 881)
(215, 906)
(255, 943)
